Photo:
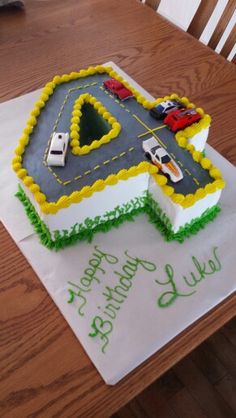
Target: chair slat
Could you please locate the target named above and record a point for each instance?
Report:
(201, 17)
(221, 25)
(153, 3)
(227, 48)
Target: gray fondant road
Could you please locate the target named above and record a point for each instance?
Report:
(126, 148)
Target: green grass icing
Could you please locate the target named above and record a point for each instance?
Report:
(126, 212)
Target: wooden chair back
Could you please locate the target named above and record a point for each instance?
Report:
(201, 18)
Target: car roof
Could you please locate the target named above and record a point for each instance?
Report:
(57, 144)
(168, 103)
(113, 82)
(161, 152)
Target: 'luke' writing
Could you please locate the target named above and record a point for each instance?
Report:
(202, 270)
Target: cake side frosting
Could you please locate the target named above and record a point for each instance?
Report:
(58, 239)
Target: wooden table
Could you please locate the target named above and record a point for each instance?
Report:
(44, 370)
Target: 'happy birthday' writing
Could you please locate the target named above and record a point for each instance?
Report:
(79, 290)
(115, 296)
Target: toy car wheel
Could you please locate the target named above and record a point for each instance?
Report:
(148, 156)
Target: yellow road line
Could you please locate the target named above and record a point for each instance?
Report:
(97, 166)
(196, 181)
(140, 121)
(145, 133)
(82, 86)
(159, 127)
(153, 130)
(150, 130)
(65, 183)
(54, 174)
(122, 153)
(187, 171)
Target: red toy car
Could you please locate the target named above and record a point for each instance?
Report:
(181, 118)
(117, 88)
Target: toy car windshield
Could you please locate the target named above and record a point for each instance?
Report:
(153, 150)
(166, 159)
(56, 152)
(189, 112)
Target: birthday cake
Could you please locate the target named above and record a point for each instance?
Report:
(95, 152)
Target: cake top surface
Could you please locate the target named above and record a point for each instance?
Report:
(111, 133)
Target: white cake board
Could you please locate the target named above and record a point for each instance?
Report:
(141, 326)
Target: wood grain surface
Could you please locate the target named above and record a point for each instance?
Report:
(202, 385)
(44, 370)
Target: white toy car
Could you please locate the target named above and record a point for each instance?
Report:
(57, 151)
(160, 157)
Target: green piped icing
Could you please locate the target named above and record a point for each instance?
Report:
(185, 231)
(127, 212)
(39, 226)
(85, 231)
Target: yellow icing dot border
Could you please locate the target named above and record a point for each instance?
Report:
(124, 174)
(87, 191)
(75, 128)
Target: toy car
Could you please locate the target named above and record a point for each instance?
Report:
(181, 118)
(158, 156)
(164, 108)
(58, 147)
(118, 89)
